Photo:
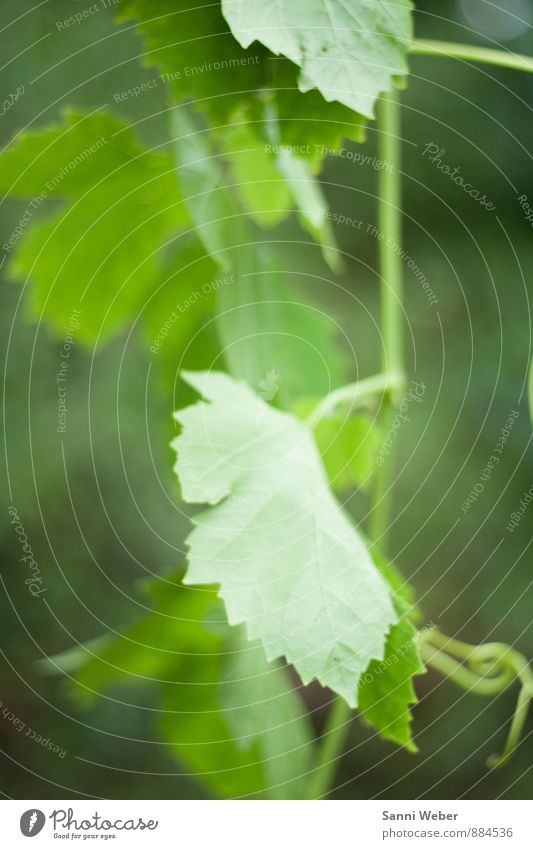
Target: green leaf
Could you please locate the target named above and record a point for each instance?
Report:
(238, 724)
(260, 704)
(308, 124)
(260, 185)
(263, 324)
(288, 561)
(312, 205)
(181, 302)
(148, 648)
(208, 198)
(269, 176)
(97, 252)
(231, 718)
(201, 62)
(350, 51)
(386, 689)
(349, 446)
(268, 326)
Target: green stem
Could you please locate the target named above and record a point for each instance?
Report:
(331, 746)
(390, 266)
(392, 378)
(484, 55)
(354, 394)
(390, 233)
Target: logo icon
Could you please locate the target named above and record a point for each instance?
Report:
(269, 386)
(32, 822)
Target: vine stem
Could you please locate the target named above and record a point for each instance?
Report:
(388, 382)
(470, 53)
(354, 394)
(484, 670)
(330, 749)
(391, 290)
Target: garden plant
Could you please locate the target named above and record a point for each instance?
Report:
(196, 244)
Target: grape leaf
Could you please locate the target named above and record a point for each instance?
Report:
(386, 689)
(262, 322)
(230, 717)
(312, 205)
(269, 176)
(202, 63)
(348, 446)
(259, 703)
(260, 185)
(200, 60)
(288, 561)
(247, 710)
(350, 52)
(267, 326)
(99, 251)
(212, 203)
(308, 124)
(180, 304)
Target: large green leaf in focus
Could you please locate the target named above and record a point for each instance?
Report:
(99, 250)
(350, 50)
(289, 562)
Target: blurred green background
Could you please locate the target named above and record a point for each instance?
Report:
(104, 509)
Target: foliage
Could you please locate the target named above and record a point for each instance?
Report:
(289, 563)
(258, 95)
(232, 718)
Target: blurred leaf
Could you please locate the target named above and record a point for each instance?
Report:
(260, 703)
(309, 124)
(269, 176)
(181, 304)
(200, 60)
(99, 252)
(350, 52)
(289, 563)
(312, 205)
(263, 324)
(203, 63)
(241, 727)
(259, 184)
(267, 325)
(349, 446)
(211, 205)
(232, 718)
(148, 648)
